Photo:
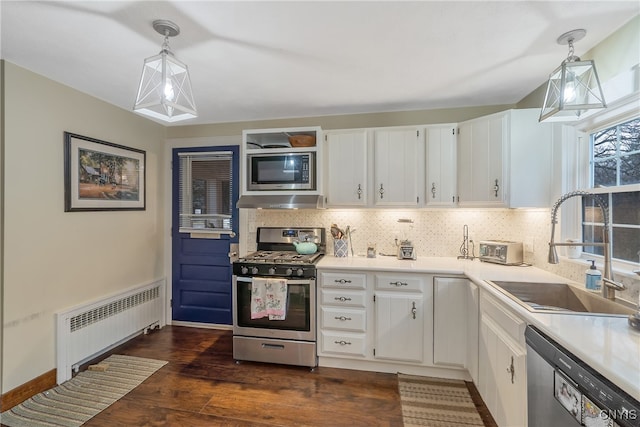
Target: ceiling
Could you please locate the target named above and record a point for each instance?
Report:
(267, 60)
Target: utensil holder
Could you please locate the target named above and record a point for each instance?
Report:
(340, 248)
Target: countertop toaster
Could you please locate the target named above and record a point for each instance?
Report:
(501, 252)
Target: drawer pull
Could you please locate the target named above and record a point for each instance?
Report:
(343, 299)
(398, 283)
(342, 281)
(342, 342)
(342, 318)
(414, 310)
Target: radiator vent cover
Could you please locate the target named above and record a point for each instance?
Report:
(112, 308)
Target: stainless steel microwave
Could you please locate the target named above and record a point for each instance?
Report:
(281, 171)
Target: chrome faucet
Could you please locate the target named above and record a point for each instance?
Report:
(609, 285)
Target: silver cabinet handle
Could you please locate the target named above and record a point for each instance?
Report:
(398, 283)
(343, 299)
(433, 190)
(381, 191)
(414, 310)
(342, 318)
(359, 191)
(342, 281)
(496, 187)
(342, 342)
(511, 370)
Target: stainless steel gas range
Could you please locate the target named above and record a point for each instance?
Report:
(274, 298)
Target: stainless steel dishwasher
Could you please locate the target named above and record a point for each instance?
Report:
(564, 391)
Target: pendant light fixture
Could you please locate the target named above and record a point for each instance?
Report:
(165, 87)
(573, 87)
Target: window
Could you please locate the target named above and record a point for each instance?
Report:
(615, 175)
(205, 199)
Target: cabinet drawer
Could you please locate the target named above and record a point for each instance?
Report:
(400, 282)
(348, 344)
(343, 318)
(343, 280)
(513, 325)
(342, 298)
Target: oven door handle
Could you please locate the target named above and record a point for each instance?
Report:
(289, 281)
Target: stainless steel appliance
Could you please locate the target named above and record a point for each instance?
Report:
(563, 391)
(281, 171)
(501, 252)
(291, 341)
(406, 250)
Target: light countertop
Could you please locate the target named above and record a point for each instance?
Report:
(606, 343)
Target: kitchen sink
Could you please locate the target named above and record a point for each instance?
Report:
(561, 298)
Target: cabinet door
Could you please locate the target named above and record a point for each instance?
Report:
(511, 373)
(441, 166)
(473, 317)
(399, 326)
(480, 161)
(396, 180)
(450, 321)
(502, 379)
(346, 168)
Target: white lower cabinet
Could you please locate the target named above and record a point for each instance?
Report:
(342, 314)
(450, 321)
(502, 358)
(399, 329)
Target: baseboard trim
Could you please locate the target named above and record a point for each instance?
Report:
(21, 393)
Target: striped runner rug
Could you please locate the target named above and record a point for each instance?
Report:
(76, 401)
(436, 402)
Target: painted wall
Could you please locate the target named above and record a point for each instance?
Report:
(52, 259)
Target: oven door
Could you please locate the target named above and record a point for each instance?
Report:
(299, 323)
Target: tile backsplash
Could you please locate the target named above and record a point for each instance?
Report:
(435, 233)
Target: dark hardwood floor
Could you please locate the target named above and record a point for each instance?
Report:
(202, 386)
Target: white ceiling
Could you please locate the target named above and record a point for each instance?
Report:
(264, 59)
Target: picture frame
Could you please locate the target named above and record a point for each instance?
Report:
(102, 176)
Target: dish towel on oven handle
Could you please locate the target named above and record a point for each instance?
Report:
(268, 298)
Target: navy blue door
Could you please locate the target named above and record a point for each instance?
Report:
(201, 269)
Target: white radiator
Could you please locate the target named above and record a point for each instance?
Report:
(86, 331)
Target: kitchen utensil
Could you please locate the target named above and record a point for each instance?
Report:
(336, 232)
(348, 233)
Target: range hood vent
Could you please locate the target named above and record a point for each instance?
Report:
(284, 201)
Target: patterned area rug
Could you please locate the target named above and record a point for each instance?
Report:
(76, 401)
(436, 402)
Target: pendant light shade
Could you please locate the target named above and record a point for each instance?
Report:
(165, 91)
(573, 87)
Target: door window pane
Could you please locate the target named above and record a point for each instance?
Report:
(205, 191)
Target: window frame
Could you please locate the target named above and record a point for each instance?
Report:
(622, 110)
(185, 189)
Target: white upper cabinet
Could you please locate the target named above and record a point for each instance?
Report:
(346, 168)
(480, 155)
(398, 169)
(441, 165)
(505, 159)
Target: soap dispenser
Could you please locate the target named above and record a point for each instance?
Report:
(593, 277)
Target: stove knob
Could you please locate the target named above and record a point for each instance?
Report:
(254, 270)
(289, 272)
(245, 270)
(272, 271)
(300, 272)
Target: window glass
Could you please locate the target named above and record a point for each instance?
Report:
(615, 161)
(630, 169)
(205, 191)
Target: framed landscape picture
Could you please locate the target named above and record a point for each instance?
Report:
(101, 176)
